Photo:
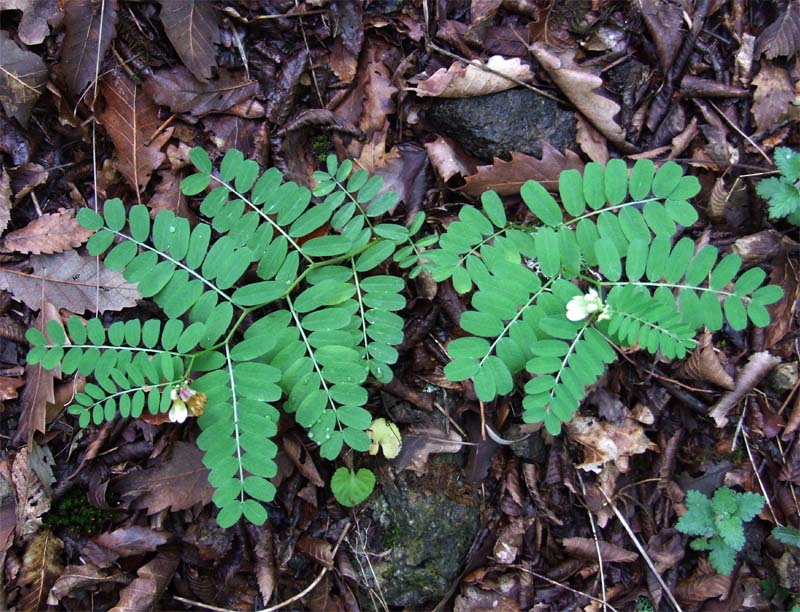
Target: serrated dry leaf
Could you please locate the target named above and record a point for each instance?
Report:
(41, 565)
(603, 442)
(263, 551)
(23, 75)
(178, 483)
(88, 577)
(32, 498)
(773, 96)
(579, 85)
(758, 366)
(585, 548)
(5, 199)
(131, 119)
(91, 26)
(506, 177)
(316, 549)
(466, 81)
(48, 234)
(152, 579)
(781, 37)
(706, 364)
(177, 89)
(36, 15)
(70, 281)
(193, 29)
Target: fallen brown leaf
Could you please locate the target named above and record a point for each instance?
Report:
(302, 459)
(706, 364)
(586, 548)
(758, 366)
(41, 565)
(152, 579)
(48, 234)
(8, 507)
(465, 81)
(26, 178)
(133, 540)
(88, 577)
(604, 443)
(193, 29)
(32, 497)
(23, 75)
(36, 15)
(5, 199)
(347, 15)
(422, 440)
(448, 159)
(179, 90)
(773, 96)
(168, 196)
(90, 26)
(782, 36)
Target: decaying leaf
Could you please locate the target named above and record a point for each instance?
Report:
(465, 81)
(448, 159)
(302, 459)
(263, 551)
(781, 37)
(41, 566)
(179, 90)
(580, 85)
(509, 541)
(316, 549)
(773, 96)
(8, 507)
(133, 540)
(90, 26)
(178, 483)
(603, 442)
(36, 15)
(193, 29)
(758, 366)
(131, 119)
(423, 439)
(74, 577)
(23, 75)
(48, 234)
(68, 280)
(26, 178)
(168, 196)
(152, 579)
(664, 21)
(31, 493)
(706, 364)
(5, 199)
(591, 141)
(386, 436)
(586, 548)
(349, 31)
(506, 177)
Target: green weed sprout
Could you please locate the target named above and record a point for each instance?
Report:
(719, 522)
(782, 193)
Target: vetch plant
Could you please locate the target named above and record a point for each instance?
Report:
(782, 193)
(257, 316)
(604, 268)
(719, 522)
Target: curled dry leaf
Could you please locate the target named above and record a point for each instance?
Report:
(36, 15)
(41, 566)
(178, 483)
(579, 85)
(193, 29)
(32, 497)
(773, 96)
(179, 90)
(26, 178)
(48, 234)
(316, 549)
(760, 247)
(664, 21)
(586, 548)
(603, 442)
(423, 439)
(263, 550)
(702, 585)
(473, 79)
(591, 141)
(448, 159)
(506, 177)
(782, 36)
(134, 540)
(131, 119)
(707, 365)
(90, 26)
(89, 577)
(302, 459)
(152, 579)
(758, 366)
(68, 280)
(23, 75)
(509, 541)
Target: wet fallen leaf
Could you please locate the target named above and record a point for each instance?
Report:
(31, 493)
(193, 29)
(8, 507)
(603, 442)
(26, 178)
(773, 96)
(664, 21)
(706, 364)
(48, 234)
(152, 579)
(41, 565)
(90, 27)
(506, 177)
(70, 281)
(131, 119)
(591, 141)
(5, 199)
(586, 548)
(179, 90)
(509, 541)
(133, 540)
(758, 366)
(782, 36)
(37, 16)
(22, 78)
(347, 17)
(423, 439)
(89, 577)
(302, 459)
(316, 549)
(465, 81)
(178, 483)
(263, 551)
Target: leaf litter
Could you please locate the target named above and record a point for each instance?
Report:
(285, 82)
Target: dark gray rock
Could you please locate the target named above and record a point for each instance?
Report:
(425, 527)
(497, 124)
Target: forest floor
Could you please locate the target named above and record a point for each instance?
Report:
(104, 99)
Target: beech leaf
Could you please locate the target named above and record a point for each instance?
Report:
(192, 28)
(782, 36)
(465, 81)
(50, 233)
(23, 75)
(177, 89)
(41, 566)
(91, 26)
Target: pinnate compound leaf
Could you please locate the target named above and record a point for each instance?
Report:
(351, 488)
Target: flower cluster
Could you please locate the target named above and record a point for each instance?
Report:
(185, 401)
(581, 306)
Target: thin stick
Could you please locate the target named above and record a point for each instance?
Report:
(758, 478)
(740, 132)
(563, 586)
(596, 546)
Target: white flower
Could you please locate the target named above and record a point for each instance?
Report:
(178, 411)
(581, 306)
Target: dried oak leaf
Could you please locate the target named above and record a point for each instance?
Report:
(579, 85)
(178, 483)
(473, 79)
(773, 96)
(22, 78)
(32, 497)
(36, 15)
(706, 364)
(69, 280)
(74, 577)
(782, 36)
(131, 119)
(48, 234)
(603, 442)
(177, 89)
(506, 177)
(193, 29)
(152, 579)
(41, 566)
(90, 26)
(585, 548)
